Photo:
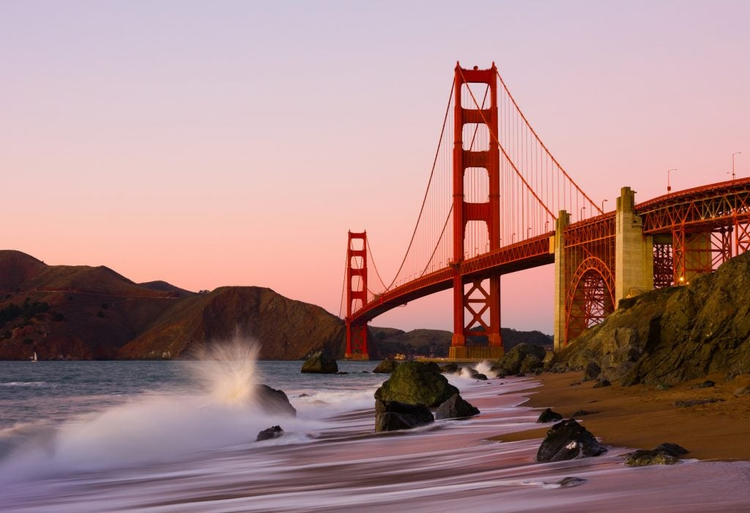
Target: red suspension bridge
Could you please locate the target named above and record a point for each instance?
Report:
(497, 201)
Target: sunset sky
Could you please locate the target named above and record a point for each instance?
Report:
(235, 143)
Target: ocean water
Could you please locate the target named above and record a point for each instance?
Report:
(180, 437)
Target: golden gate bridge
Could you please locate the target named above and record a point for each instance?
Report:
(497, 201)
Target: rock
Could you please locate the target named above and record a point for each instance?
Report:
(549, 416)
(341, 373)
(320, 363)
(530, 364)
(742, 391)
(455, 407)
(395, 416)
(602, 383)
(514, 361)
(570, 482)
(591, 372)
(568, 440)
(670, 448)
(583, 413)
(304, 395)
(698, 402)
(270, 433)
(642, 457)
(274, 401)
(449, 368)
(416, 383)
(706, 384)
(386, 367)
(674, 334)
(663, 386)
(520, 375)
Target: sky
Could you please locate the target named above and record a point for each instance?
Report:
(236, 143)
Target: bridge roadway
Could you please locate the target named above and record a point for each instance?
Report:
(704, 206)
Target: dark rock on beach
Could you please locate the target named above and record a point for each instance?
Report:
(270, 433)
(416, 383)
(455, 407)
(570, 482)
(386, 367)
(449, 368)
(549, 416)
(601, 384)
(673, 449)
(583, 413)
(396, 416)
(568, 440)
(274, 401)
(591, 372)
(521, 359)
(320, 363)
(665, 454)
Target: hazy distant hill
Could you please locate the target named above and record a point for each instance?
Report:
(387, 342)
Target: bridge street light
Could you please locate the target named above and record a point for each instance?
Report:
(733, 154)
(582, 209)
(603, 202)
(669, 187)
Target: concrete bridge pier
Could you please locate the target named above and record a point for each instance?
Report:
(557, 246)
(634, 251)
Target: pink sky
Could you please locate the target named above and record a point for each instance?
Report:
(231, 143)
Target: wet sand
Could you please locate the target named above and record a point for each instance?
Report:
(643, 416)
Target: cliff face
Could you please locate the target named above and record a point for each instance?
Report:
(676, 334)
(80, 312)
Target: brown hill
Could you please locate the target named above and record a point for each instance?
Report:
(81, 312)
(17, 268)
(286, 329)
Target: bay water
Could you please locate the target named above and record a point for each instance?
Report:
(179, 436)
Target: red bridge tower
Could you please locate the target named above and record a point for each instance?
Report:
(482, 299)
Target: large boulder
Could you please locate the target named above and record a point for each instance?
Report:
(455, 408)
(386, 367)
(416, 383)
(522, 358)
(395, 416)
(320, 363)
(274, 401)
(449, 368)
(568, 440)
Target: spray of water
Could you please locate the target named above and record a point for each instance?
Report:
(228, 370)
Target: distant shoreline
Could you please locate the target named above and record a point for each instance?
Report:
(642, 416)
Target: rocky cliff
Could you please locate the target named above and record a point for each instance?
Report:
(672, 335)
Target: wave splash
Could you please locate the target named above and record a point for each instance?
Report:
(220, 411)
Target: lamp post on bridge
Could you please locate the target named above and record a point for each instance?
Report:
(669, 186)
(603, 202)
(733, 154)
(582, 209)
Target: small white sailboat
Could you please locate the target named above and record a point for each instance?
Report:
(34, 358)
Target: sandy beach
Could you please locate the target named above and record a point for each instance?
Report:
(644, 416)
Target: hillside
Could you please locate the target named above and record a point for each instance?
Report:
(82, 312)
(673, 335)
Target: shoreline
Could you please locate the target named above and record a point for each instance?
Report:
(642, 416)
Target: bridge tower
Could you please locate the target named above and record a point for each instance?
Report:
(482, 299)
(356, 267)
